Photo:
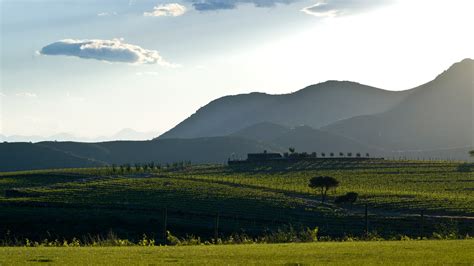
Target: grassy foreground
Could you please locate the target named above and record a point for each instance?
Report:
(354, 253)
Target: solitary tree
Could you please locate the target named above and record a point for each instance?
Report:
(331, 154)
(341, 154)
(349, 197)
(291, 149)
(324, 183)
(471, 153)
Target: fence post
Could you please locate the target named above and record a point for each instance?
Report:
(216, 228)
(165, 224)
(422, 228)
(366, 221)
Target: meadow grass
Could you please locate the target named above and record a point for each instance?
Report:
(459, 252)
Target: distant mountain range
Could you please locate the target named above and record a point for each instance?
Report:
(124, 134)
(315, 106)
(435, 120)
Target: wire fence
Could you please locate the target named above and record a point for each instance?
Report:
(221, 223)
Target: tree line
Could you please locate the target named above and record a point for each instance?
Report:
(146, 167)
(293, 154)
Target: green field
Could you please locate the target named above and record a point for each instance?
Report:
(341, 253)
(246, 199)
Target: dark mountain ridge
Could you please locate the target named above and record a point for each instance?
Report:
(436, 115)
(317, 105)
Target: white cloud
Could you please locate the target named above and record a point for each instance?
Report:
(334, 8)
(3, 94)
(105, 50)
(172, 10)
(106, 14)
(26, 95)
(314, 10)
(209, 5)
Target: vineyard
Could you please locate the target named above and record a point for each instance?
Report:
(395, 198)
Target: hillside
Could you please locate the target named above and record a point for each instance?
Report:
(248, 199)
(264, 131)
(317, 105)
(48, 155)
(28, 156)
(438, 115)
(303, 139)
(307, 139)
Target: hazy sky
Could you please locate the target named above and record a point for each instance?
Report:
(94, 67)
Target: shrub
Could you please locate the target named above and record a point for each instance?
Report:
(171, 239)
(146, 242)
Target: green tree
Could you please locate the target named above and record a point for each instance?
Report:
(471, 153)
(137, 167)
(291, 149)
(324, 183)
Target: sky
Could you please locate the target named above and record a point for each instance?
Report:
(92, 68)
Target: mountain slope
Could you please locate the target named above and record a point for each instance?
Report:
(200, 150)
(48, 155)
(307, 139)
(302, 138)
(264, 131)
(436, 115)
(29, 156)
(315, 106)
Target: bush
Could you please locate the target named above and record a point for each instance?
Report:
(465, 168)
(146, 242)
(290, 235)
(171, 239)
